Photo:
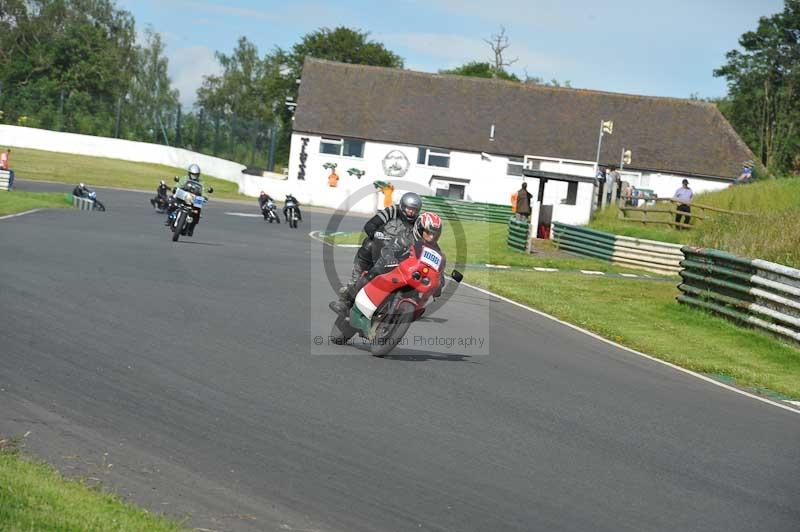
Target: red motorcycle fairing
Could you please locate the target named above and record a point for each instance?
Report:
(420, 272)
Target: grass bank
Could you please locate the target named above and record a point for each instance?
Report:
(99, 171)
(643, 315)
(12, 202)
(35, 497)
(772, 234)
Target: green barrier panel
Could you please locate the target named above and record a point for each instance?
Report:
(518, 231)
(466, 210)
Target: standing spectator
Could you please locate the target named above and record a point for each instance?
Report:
(684, 195)
(524, 202)
(5, 160)
(387, 190)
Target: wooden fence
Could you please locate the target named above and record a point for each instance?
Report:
(656, 213)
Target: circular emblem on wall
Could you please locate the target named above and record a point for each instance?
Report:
(395, 164)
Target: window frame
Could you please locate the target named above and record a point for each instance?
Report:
(436, 152)
(340, 143)
(515, 162)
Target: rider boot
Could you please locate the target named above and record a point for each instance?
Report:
(347, 293)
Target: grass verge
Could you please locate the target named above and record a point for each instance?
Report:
(37, 165)
(35, 497)
(14, 201)
(643, 315)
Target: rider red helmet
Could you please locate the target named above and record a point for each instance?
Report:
(430, 223)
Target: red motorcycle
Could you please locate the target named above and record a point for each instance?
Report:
(392, 295)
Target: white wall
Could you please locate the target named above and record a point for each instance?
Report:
(488, 179)
(128, 150)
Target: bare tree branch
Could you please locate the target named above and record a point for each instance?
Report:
(499, 43)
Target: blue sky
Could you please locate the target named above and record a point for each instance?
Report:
(658, 48)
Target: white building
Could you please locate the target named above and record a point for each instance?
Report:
(469, 138)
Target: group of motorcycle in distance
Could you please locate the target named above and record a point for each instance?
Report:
(184, 206)
(389, 297)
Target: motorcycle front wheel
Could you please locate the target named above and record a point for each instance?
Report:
(391, 329)
(178, 227)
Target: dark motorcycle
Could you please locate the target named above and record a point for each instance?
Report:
(160, 204)
(186, 213)
(270, 212)
(292, 213)
(98, 206)
(392, 295)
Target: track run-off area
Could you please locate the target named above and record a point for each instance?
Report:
(194, 379)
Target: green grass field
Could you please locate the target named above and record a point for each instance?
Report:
(35, 497)
(98, 171)
(772, 234)
(12, 202)
(643, 315)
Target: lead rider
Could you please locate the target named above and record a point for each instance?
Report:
(392, 222)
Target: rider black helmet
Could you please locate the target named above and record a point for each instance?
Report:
(410, 205)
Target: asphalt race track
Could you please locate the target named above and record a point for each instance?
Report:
(188, 378)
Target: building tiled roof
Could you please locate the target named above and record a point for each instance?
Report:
(457, 112)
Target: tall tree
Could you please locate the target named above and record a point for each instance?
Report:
(763, 79)
(64, 63)
(499, 44)
(153, 101)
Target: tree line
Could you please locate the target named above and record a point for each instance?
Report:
(76, 65)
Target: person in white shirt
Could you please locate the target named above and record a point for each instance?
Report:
(684, 195)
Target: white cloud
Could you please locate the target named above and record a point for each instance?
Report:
(187, 66)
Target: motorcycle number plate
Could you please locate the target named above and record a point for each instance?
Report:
(199, 201)
(431, 258)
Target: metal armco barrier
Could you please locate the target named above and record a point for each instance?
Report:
(450, 209)
(752, 291)
(82, 203)
(518, 234)
(6, 179)
(650, 255)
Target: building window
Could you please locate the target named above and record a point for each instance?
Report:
(433, 157)
(345, 147)
(515, 165)
(572, 194)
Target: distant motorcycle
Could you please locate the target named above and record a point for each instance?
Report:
(292, 213)
(160, 204)
(98, 206)
(270, 212)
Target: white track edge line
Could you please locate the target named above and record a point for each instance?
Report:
(312, 234)
(6, 217)
(620, 346)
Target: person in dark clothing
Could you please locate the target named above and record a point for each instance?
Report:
(80, 190)
(524, 202)
(263, 198)
(392, 222)
(291, 199)
(161, 196)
